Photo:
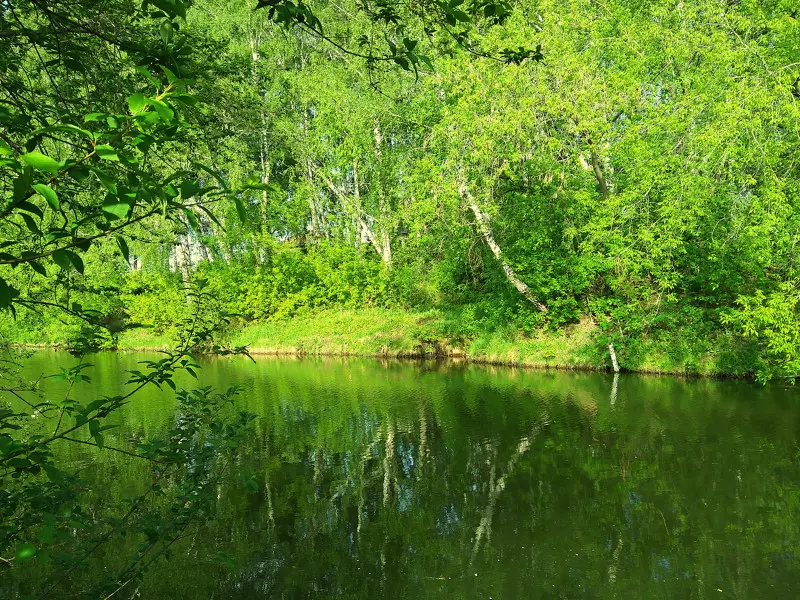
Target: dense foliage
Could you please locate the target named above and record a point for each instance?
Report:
(639, 170)
(193, 166)
(117, 133)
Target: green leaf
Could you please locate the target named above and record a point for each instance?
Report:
(76, 261)
(240, 209)
(192, 219)
(48, 193)
(106, 152)
(66, 127)
(31, 208)
(189, 188)
(184, 99)
(165, 113)
(123, 247)
(37, 266)
(21, 186)
(25, 551)
(31, 224)
(61, 258)
(6, 294)
(171, 77)
(142, 70)
(105, 180)
(5, 149)
(55, 234)
(41, 162)
(115, 208)
(165, 31)
(136, 102)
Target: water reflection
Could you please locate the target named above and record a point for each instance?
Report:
(417, 480)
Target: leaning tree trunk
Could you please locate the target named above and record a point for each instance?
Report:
(353, 206)
(485, 229)
(605, 192)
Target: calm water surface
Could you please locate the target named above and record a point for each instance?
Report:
(418, 480)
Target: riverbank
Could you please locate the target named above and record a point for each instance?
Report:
(439, 334)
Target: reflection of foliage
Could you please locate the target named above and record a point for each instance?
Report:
(370, 481)
(43, 508)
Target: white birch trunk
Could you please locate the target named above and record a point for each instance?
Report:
(485, 229)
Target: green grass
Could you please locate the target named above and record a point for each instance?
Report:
(143, 339)
(358, 332)
(392, 333)
(449, 333)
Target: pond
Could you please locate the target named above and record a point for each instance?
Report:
(373, 479)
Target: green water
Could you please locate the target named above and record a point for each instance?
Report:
(418, 480)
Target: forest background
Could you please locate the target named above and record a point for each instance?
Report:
(525, 182)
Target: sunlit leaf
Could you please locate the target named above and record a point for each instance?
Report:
(25, 551)
(48, 193)
(106, 152)
(136, 103)
(41, 162)
(115, 208)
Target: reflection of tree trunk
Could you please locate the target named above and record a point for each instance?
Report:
(485, 229)
(388, 464)
(318, 458)
(485, 524)
(614, 389)
(388, 490)
(365, 458)
(270, 509)
(361, 497)
(614, 566)
(484, 528)
(423, 440)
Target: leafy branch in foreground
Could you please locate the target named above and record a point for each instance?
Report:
(405, 27)
(185, 464)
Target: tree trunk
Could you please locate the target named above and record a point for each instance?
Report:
(598, 175)
(316, 222)
(613, 354)
(485, 229)
(353, 206)
(183, 262)
(383, 205)
(255, 42)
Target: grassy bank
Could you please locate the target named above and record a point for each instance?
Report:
(392, 333)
